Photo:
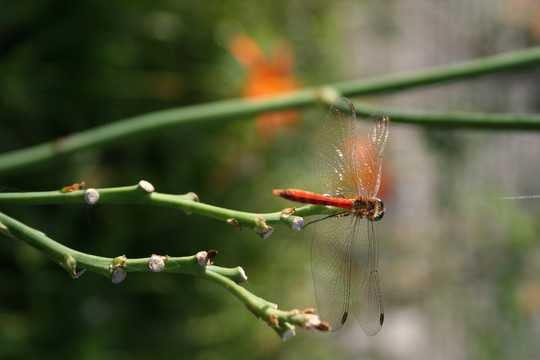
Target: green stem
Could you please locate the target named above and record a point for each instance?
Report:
(72, 259)
(488, 121)
(444, 73)
(283, 322)
(260, 222)
(143, 125)
(59, 253)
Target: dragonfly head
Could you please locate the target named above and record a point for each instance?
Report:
(377, 212)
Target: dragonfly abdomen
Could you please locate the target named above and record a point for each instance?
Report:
(308, 197)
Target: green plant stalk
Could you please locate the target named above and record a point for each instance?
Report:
(281, 321)
(71, 260)
(144, 125)
(455, 119)
(59, 253)
(444, 73)
(186, 265)
(188, 203)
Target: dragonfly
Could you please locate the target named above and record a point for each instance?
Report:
(344, 248)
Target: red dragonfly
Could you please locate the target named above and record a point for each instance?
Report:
(344, 249)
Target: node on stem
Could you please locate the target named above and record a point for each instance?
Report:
(91, 196)
(312, 321)
(235, 223)
(146, 186)
(327, 94)
(298, 223)
(156, 263)
(118, 276)
(262, 228)
(212, 254)
(73, 187)
(119, 261)
(192, 197)
(287, 212)
(288, 332)
(202, 259)
(70, 264)
(274, 321)
(242, 273)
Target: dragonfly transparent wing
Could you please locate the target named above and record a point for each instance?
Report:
(369, 138)
(344, 250)
(348, 159)
(344, 268)
(365, 290)
(333, 157)
(330, 268)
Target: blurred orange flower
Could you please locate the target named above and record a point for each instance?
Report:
(267, 76)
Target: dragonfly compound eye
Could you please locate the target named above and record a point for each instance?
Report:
(378, 211)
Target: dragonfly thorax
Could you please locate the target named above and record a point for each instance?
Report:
(372, 209)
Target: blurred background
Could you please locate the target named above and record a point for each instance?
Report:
(459, 266)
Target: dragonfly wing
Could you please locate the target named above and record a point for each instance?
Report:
(365, 289)
(333, 165)
(348, 159)
(331, 268)
(369, 138)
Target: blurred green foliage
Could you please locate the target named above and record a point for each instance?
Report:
(67, 67)
(459, 273)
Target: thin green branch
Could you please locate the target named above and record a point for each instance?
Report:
(59, 253)
(144, 125)
(143, 193)
(283, 322)
(455, 119)
(444, 73)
